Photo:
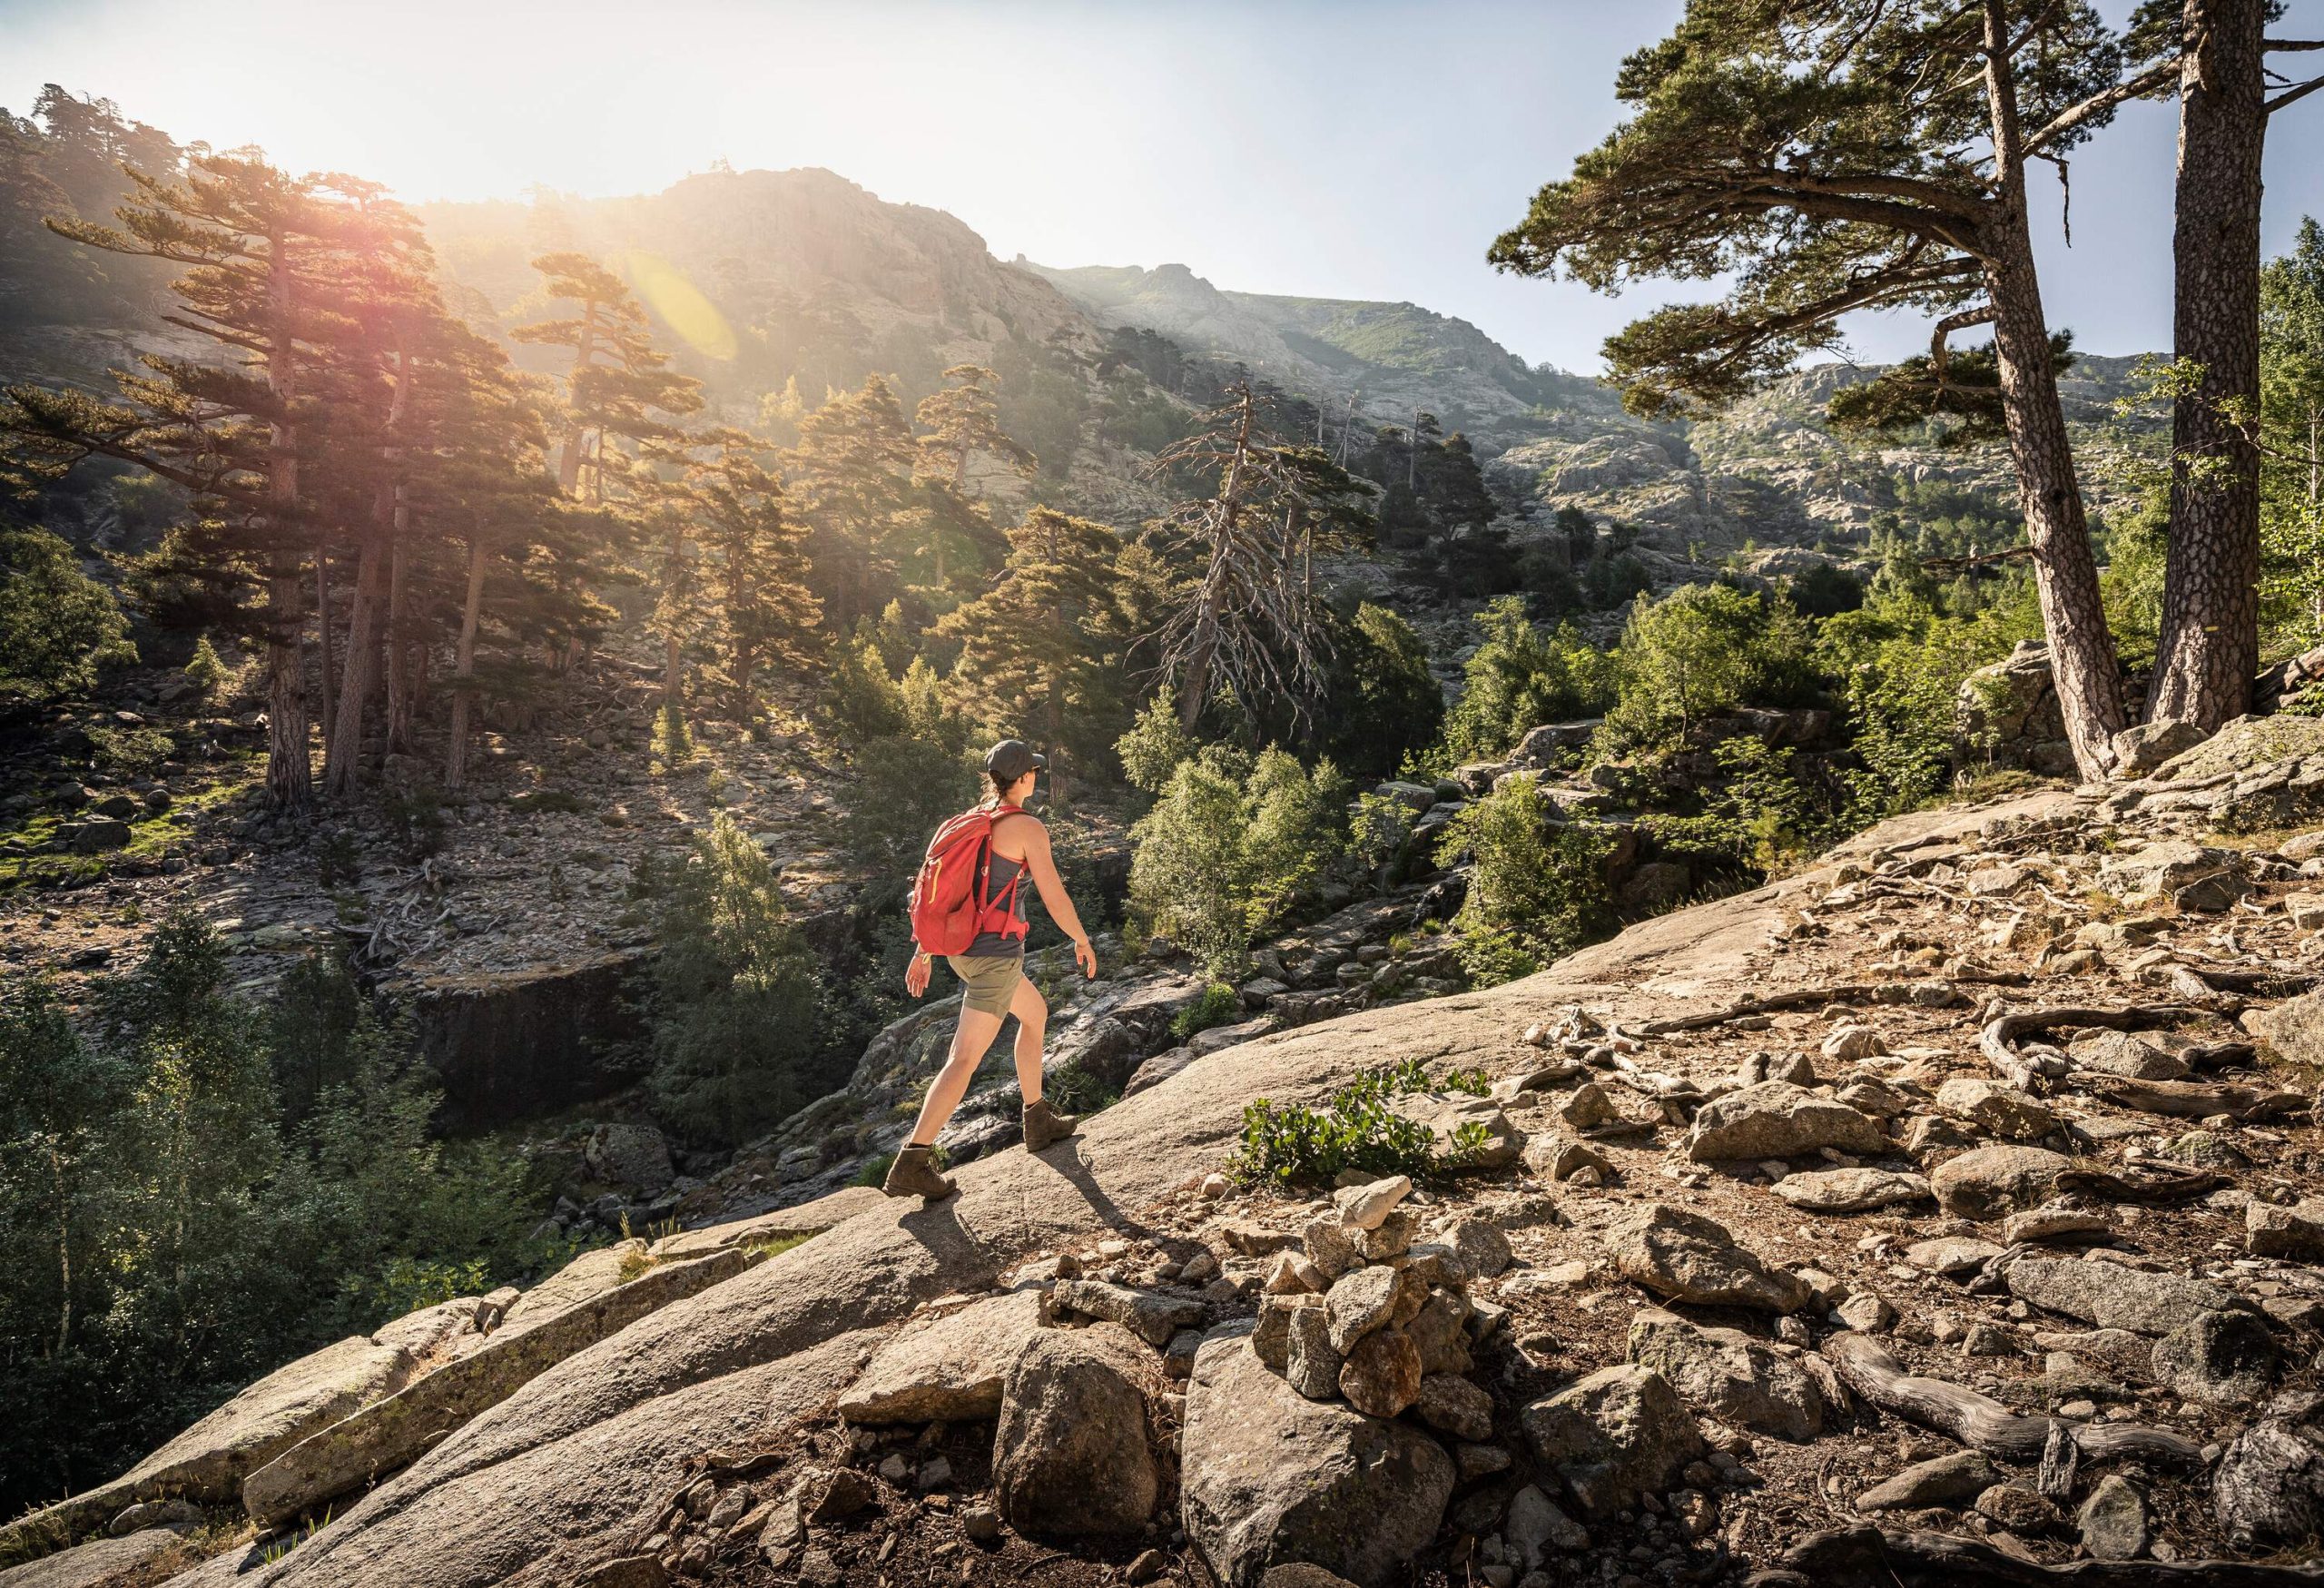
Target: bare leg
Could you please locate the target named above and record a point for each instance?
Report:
(970, 1039)
(1033, 1012)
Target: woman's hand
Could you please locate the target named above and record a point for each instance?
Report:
(1086, 957)
(916, 974)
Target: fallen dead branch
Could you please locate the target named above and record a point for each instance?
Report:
(1985, 1424)
(1870, 1554)
(2152, 1181)
(1999, 1039)
(2189, 1099)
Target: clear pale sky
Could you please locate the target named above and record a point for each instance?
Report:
(1340, 149)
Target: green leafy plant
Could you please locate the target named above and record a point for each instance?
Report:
(205, 671)
(1291, 1144)
(1219, 1005)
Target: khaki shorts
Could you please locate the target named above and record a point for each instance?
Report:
(990, 980)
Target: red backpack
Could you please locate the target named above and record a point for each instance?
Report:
(951, 902)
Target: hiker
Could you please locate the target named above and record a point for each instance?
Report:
(969, 904)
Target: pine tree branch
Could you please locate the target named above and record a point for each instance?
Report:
(2105, 100)
(2294, 95)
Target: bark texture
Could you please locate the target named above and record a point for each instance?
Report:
(2210, 643)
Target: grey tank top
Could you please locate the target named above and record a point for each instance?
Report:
(1004, 870)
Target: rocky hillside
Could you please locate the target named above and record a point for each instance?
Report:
(1944, 1213)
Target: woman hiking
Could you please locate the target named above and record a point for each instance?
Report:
(970, 892)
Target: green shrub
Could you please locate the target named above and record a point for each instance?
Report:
(1700, 651)
(905, 790)
(1154, 747)
(205, 672)
(130, 749)
(1074, 1090)
(737, 1024)
(1219, 1005)
(1235, 845)
(1290, 1144)
(860, 700)
(57, 625)
(1537, 888)
(1521, 677)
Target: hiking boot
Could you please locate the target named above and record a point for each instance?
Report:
(913, 1174)
(1045, 1127)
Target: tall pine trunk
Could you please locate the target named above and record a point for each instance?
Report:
(345, 748)
(322, 628)
(456, 753)
(288, 775)
(404, 655)
(2083, 666)
(2210, 643)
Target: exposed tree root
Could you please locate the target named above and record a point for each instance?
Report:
(1866, 1554)
(2189, 1099)
(1983, 1422)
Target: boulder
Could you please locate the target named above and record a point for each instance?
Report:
(1151, 1314)
(2270, 1231)
(1270, 1477)
(386, 1433)
(2126, 1053)
(2116, 1297)
(1070, 1454)
(2294, 1028)
(1950, 1254)
(1481, 1248)
(98, 1563)
(1312, 1363)
(1367, 1206)
(1371, 1298)
(1534, 1525)
(1777, 1119)
(1684, 1257)
(1452, 1404)
(2268, 1485)
(585, 1278)
(2223, 1358)
(2113, 1521)
(1851, 1191)
(2163, 869)
(2142, 749)
(949, 1370)
(1561, 1158)
(1613, 1435)
(1949, 1480)
(1993, 1183)
(1728, 1374)
(1445, 1114)
(2002, 1110)
(629, 1153)
(209, 1461)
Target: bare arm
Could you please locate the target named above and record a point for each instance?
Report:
(1054, 898)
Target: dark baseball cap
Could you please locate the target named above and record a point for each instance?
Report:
(1012, 759)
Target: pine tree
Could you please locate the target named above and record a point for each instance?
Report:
(619, 385)
(257, 245)
(755, 574)
(1834, 160)
(2209, 645)
(962, 422)
(1034, 660)
(849, 481)
(1250, 618)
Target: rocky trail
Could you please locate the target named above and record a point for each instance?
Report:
(1946, 1213)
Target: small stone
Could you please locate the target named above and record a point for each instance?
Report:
(1852, 1043)
(1370, 1298)
(1147, 1567)
(2113, 1521)
(1381, 1376)
(1866, 1314)
(895, 1469)
(1366, 1206)
(2002, 1109)
(1216, 1186)
(1949, 1480)
(2017, 1508)
(1312, 1364)
(1985, 1339)
(1271, 1337)
(1391, 1239)
(980, 1522)
(1452, 1404)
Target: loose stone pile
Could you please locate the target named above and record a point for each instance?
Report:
(1369, 1314)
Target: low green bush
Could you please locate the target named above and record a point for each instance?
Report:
(1291, 1144)
(1219, 1005)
